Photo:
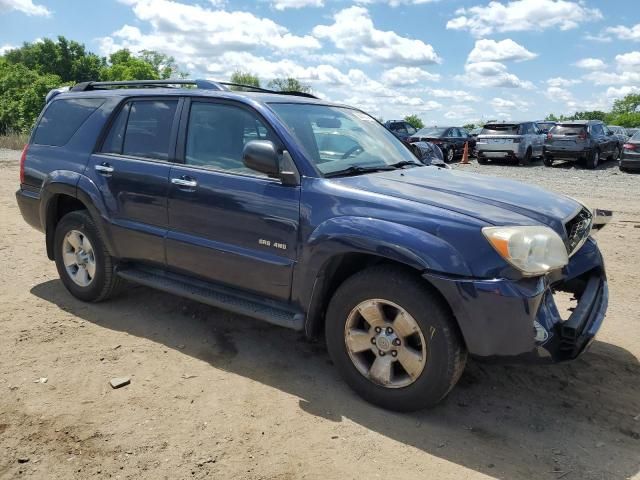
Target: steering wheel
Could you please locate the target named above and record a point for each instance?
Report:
(352, 150)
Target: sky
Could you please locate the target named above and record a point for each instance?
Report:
(447, 61)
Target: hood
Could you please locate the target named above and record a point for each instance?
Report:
(495, 201)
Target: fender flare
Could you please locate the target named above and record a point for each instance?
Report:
(387, 240)
(75, 185)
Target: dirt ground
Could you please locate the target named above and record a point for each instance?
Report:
(215, 395)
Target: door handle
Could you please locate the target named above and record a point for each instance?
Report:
(103, 168)
(185, 182)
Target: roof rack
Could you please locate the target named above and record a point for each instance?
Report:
(203, 84)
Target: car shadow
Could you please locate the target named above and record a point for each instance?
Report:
(568, 165)
(508, 422)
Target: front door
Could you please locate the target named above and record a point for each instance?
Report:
(227, 223)
(131, 170)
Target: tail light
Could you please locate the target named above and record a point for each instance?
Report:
(630, 146)
(437, 142)
(549, 136)
(582, 136)
(412, 139)
(23, 157)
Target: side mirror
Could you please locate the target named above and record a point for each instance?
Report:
(261, 156)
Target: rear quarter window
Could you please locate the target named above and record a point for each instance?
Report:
(63, 118)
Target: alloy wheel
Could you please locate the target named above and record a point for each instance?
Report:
(385, 343)
(79, 258)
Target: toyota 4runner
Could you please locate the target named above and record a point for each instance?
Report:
(235, 199)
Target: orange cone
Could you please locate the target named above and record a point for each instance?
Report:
(465, 154)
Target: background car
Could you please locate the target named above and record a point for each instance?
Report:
(630, 159)
(581, 140)
(632, 131)
(619, 132)
(519, 141)
(451, 140)
(400, 128)
(545, 126)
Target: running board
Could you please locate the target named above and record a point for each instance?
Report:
(217, 296)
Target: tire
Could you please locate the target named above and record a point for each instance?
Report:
(442, 355)
(616, 154)
(449, 155)
(526, 160)
(593, 159)
(547, 160)
(482, 160)
(101, 281)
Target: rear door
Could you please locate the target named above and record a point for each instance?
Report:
(131, 170)
(227, 223)
(600, 139)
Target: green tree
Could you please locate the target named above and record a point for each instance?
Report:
(22, 93)
(469, 126)
(288, 85)
(245, 78)
(592, 115)
(68, 60)
(165, 65)
(414, 121)
(628, 104)
(123, 65)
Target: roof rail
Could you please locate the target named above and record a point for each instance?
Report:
(253, 88)
(203, 84)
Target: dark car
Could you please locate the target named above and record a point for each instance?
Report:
(630, 159)
(619, 132)
(581, 140)
(545, 126)
(233, 198)
(451, 140)
(401, 129)
(632, 131)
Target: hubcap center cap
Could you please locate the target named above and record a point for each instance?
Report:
(384, 342)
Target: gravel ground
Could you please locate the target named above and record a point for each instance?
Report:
(214, 395)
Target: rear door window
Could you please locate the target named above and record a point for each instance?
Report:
(63, 118)
(148, 131)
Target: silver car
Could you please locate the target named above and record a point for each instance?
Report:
(517, 141)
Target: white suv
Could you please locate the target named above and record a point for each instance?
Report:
(519, 141)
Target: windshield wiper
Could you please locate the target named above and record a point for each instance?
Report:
(356, 170)
(406, 163)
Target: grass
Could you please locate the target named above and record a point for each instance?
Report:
(14, 141)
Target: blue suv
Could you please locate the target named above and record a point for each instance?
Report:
(312, 216)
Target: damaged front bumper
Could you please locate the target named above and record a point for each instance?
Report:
(519, 320)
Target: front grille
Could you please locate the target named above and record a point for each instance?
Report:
(578, 229)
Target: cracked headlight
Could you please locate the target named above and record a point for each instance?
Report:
(532, 250)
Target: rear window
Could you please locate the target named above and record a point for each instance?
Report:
(636, 136)
(63, 118)
(567, 130)
(501, 129)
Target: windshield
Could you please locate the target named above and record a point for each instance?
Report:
(568, 130)
(338, 138)
(431, 132)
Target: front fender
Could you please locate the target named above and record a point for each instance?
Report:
(358, 235)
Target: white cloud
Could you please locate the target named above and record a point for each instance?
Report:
(522, 15)
(6, 47)
(628, 61)
(559, 94)
(562, 82)
(284, 4)
(24, 6)
(396, 3)
(625, 33)
(404, 76)
(493, 51)
(591, 64)
(620, 92)
(459, 95)
(354, 31)
(462, 113)
(491, 74)
(193, 33)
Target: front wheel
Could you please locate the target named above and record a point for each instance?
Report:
(526, 160)
(84, 264)
(482, 160)
(593, 160)
(449, 155)
(393, 340)
(547, 160)
(616, 154)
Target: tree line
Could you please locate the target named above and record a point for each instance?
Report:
(29, 72)
(624, 113)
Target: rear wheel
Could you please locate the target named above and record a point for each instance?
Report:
(482, 160)
(449, 155)
(393, 340)
(547, 160)
(593, 160)
(84, 265)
